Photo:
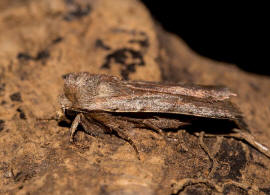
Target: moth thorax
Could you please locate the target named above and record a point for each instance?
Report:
(104, 89)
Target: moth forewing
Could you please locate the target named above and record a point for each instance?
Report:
(159, 103)
(213, 92)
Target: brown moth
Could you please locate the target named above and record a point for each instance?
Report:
(106, 103)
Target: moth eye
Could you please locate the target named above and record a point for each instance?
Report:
(104, 90)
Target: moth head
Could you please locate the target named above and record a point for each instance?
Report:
(84, 87)
(74, 88)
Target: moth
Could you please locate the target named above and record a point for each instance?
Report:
(103, 103)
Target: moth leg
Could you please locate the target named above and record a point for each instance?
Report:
(113, 124)
(250, 140)
(214, 165)
(74, 126)
(148, 124)
(125, 137)
(91, 127)
(154, 127)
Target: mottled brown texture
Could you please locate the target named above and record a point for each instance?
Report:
(41, 41)
(93, 92)
(106, 101)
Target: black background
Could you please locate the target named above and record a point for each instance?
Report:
(226, 32)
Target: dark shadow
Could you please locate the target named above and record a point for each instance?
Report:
(223, 32)
(195, 124)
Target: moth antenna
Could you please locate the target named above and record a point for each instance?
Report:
(59, 116)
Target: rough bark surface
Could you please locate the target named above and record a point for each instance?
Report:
(40, 41)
